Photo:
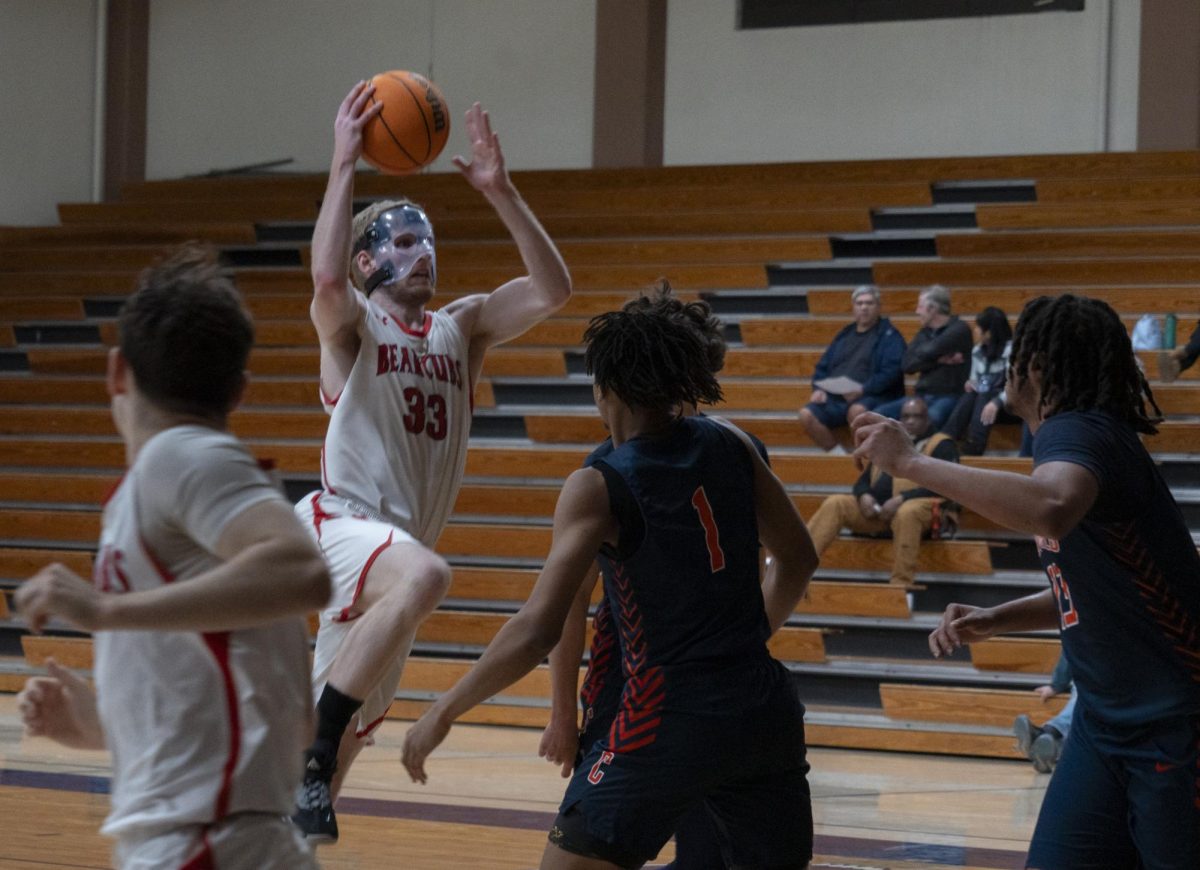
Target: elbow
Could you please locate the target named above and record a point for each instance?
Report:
(1055, 522)
(558, 292)
(1055, 518)
(538, 637)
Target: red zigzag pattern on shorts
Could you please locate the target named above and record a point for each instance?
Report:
(637, 721)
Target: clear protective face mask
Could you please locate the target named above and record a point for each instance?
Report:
(394, 263)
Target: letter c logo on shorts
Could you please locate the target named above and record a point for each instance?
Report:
(596, 773)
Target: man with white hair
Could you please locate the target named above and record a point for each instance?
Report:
(941, 353)
(867, 353)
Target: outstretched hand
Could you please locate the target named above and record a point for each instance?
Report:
(486, 171)
(961, 624)
(353, 115)
(881, 442)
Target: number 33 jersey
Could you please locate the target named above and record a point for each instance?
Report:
(398, 431)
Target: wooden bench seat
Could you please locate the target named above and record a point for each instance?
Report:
(923, 169)
(1075, 274)
(1026, 655)
(148, 232)
(1094, 243)
(1108, 188)
(1116, 214)
(965, 706)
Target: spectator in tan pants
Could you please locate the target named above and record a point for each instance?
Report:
(881, 504)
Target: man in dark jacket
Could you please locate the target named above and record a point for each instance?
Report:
(867, 352)
(941, 352)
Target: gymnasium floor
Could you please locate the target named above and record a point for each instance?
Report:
(490, 800)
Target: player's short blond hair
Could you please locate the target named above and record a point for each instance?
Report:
(358, 229)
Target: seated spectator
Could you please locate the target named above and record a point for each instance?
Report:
(866, 352)
(1171, 363)
(1043, 744)
(881, 504)
(970, 422)
(941, 352)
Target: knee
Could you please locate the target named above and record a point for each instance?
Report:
(806, 417)
(431, 581)
(853, 411)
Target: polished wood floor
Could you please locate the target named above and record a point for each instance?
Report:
(490, 799)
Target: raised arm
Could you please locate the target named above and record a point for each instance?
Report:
(270, 570)
(1050, 502)
(336, 305)
(519, 304)
(582, 522)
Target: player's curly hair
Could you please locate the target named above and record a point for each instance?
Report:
(660, 298)
(656, 352)
(186, 334)
(1086, 361)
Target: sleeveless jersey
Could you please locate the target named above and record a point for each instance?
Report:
(600, 691)
(1127, 578)
(200, 726)
(398, 432)
(684, 588)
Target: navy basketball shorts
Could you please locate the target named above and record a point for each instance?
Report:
(747, 770)
(1122, 798)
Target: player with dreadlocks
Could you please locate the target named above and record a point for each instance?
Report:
(1124, 587)
(706, 715)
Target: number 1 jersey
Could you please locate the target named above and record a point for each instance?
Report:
(398, 431)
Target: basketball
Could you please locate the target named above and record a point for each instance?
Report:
(412, 129)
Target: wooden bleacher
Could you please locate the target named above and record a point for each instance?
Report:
(1124, 227)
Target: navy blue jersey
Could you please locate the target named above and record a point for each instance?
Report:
(1127, 578)
(683, 584)
(600, 693)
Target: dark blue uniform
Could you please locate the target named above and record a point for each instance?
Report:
(1127, 580)
(697, 840)
(706, 718)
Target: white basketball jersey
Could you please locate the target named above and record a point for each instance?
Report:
(200, 726)
(398, 432)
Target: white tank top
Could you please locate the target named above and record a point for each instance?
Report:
(200, 726)
(398, 432)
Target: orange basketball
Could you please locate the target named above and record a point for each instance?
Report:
(412, 129)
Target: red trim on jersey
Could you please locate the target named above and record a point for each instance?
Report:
(218, 645)
(325, 396)
(366, 732)
(319, 514)
(417, 333)
(325, 480)
(112, 490)
(204, 859)
(347, 613)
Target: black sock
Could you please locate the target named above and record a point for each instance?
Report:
(334, 711)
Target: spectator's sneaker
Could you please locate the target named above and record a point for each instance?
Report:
(314, 814)
(1026, 732)
(1045, 752)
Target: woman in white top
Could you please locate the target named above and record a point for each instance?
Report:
(983, 398)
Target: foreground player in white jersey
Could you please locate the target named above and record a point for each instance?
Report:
(201, 579)
(397, 381)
